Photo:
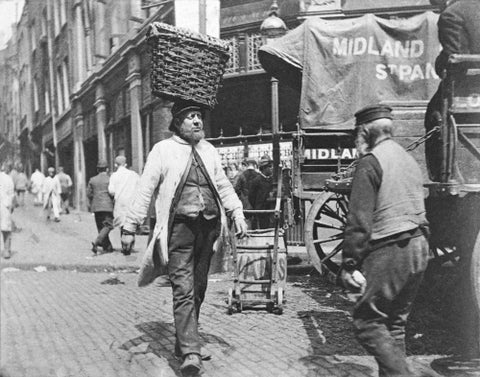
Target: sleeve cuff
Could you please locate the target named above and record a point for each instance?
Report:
(238, 214)
(129, 229)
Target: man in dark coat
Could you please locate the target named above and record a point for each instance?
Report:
(101, 204)
(244, 182)
(385, 239)
(260, 191)
(459, 33)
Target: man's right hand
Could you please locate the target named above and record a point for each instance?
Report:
(127, 243)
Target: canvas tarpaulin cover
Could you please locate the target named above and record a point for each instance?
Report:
(341, 66)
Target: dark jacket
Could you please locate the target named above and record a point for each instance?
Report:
(458, 31)
(243, 186)
(97, 193)
(260, 192)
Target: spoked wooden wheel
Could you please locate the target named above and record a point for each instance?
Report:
(324, 229)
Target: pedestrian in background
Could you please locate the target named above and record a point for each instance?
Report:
(193, 193)
(101, 204)
(7, 195)
(244, 182)
(21, 185)
(260, 193)
(385, 237)
(122, 187)
(66, 185)
(36, 184)
(51, 195)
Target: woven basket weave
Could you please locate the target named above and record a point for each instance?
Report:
(186, 65)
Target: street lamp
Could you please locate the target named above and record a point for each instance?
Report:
(273, 27)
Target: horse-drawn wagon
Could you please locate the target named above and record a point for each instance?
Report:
(339, 67)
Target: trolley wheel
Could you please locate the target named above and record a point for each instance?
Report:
(324, 229)
(475, 282)
(279, 301)
(230, 301)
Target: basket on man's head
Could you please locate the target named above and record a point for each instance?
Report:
(186, 65)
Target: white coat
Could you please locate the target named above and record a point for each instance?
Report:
(51, 191)
(165, 166)
(7, 193)
(122, 186)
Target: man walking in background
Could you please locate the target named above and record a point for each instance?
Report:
(384, 238)
(66, 184)
(36, 184)
(51, 195)
(101, 204)
(122, 187)
(21, 185)
(7, 194)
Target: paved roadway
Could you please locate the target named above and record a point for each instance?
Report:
(85, 317)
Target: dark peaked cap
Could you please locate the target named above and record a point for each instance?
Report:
(371, 113)
(180, 106)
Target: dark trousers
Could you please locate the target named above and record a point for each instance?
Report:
(190, 251)
(104, 221)
(433, 145)
(393, 275)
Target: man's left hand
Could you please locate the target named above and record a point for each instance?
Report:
(241, 227)
(354, 281)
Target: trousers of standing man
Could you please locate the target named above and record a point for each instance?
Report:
(394, 273)
(104, 222)
(190, 252)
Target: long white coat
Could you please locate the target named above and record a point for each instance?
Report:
(7, 193)
(51, 191)
(122, 186)
(164, 169)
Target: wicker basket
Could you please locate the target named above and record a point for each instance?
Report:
(186, 65)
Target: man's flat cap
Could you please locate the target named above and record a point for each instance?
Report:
(265, 160)
(181, 106)
(371, 113)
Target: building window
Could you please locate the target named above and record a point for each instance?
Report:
(233, 63)
(44, 24)
(33, 36)
(35, 95)
(47, 101)
(60, 105)
(254, 42)
(56, 17)
(65, 83)
(63, 12)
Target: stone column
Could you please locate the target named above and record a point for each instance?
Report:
(80, 44)
(79, 160)
(135, 92)
(101, 120)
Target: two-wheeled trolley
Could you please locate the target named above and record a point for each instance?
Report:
(260, 264)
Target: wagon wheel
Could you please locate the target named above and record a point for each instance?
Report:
(324, 230)
(475, 281)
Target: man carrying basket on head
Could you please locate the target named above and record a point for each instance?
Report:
(193, 198)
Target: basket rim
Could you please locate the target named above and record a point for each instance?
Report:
(159, 29)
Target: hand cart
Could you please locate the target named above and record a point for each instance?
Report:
(260, 265)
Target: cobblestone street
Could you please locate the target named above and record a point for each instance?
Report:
(74, 319)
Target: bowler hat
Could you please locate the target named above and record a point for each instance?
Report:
(264, 161)
(102, 164)
(371, 113)
(181, 106)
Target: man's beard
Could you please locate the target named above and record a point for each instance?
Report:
(193, 137)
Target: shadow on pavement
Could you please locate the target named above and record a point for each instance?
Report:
(160, 339)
